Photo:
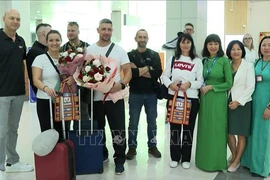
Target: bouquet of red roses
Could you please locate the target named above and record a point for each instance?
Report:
(98, 73)
(69, 61)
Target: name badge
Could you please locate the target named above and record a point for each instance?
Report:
(259, 78)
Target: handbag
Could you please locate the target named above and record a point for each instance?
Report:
(70, 104)
(179, 110)
(161, 89)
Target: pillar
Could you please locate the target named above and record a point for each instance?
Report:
(178, 13)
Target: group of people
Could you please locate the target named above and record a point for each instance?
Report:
(221, 90)
(230, 95)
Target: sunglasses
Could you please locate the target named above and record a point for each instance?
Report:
(248, 38)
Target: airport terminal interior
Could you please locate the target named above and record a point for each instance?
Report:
(154, 17)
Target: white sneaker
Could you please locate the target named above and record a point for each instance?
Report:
(173, 164)
(2, 175)
(19, 167)
(186, 165)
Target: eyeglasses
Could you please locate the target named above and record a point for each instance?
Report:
(248, 38)
(189, 29)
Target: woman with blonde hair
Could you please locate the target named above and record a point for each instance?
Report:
(249, 48)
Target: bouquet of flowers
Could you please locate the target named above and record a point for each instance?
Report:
(69, 61)
(97, 73)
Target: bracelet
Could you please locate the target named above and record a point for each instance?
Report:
(268, 106)
(43, 89)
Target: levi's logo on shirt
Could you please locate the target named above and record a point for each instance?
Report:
(183, 66)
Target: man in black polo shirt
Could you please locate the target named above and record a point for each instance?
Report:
(39, 47)
(146, 68)
(12, 91)
(73, 37)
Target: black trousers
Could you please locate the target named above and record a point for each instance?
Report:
(43, 112)
(180, 147)
(115, 113)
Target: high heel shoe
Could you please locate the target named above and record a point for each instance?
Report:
(233, 169)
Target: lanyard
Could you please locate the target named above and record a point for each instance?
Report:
(209, 69)
(264, 66)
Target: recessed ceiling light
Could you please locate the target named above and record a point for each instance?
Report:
(38, 11)
(35, 17)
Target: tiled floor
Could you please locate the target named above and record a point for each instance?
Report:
(143, 167)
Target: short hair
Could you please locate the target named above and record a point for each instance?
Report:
(259, 49)
(189, 24)
(53, 32)
(73, 23)
(252, 46)
(140, 30)
(230, 45)
(107, 21)
(178, 51)
(42, 25)
(212, 38)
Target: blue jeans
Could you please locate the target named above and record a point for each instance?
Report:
(136, 101)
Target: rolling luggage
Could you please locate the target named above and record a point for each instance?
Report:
(60, 163)
(88, 145)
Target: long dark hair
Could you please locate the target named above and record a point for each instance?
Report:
(212, 38)
(230, 45)
(259, 51)
(178, 51)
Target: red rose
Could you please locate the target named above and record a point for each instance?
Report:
(107, 68)
(101, 71)
(80, 76)
(103, 78)
(95, 69)
(92, 81)
(60, 60)
(91, 74)
(68, 59)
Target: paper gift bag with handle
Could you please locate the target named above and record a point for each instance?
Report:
(70, 102)
(179, 110)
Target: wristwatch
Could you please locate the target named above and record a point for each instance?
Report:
(123, 86)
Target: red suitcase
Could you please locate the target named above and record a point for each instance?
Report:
(60, 163)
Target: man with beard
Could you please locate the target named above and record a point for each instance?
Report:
(146, 69)
(74, 41)
(115, 112)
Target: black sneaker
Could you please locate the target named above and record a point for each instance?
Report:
(119, 169)
(154, 151)
(131, 153)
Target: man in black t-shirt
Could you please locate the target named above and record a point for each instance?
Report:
(39, 47)
(12, 92)
(74, 41)
(146, 68)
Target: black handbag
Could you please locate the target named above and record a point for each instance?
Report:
(161, 89)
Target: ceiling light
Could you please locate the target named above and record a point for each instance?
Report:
(38, 11)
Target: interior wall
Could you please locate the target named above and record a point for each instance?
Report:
(235, 17)
(258, 20)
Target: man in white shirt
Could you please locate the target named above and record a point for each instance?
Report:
(115, 112)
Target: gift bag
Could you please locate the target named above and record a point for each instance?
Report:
(70, 104)
(179, 110)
